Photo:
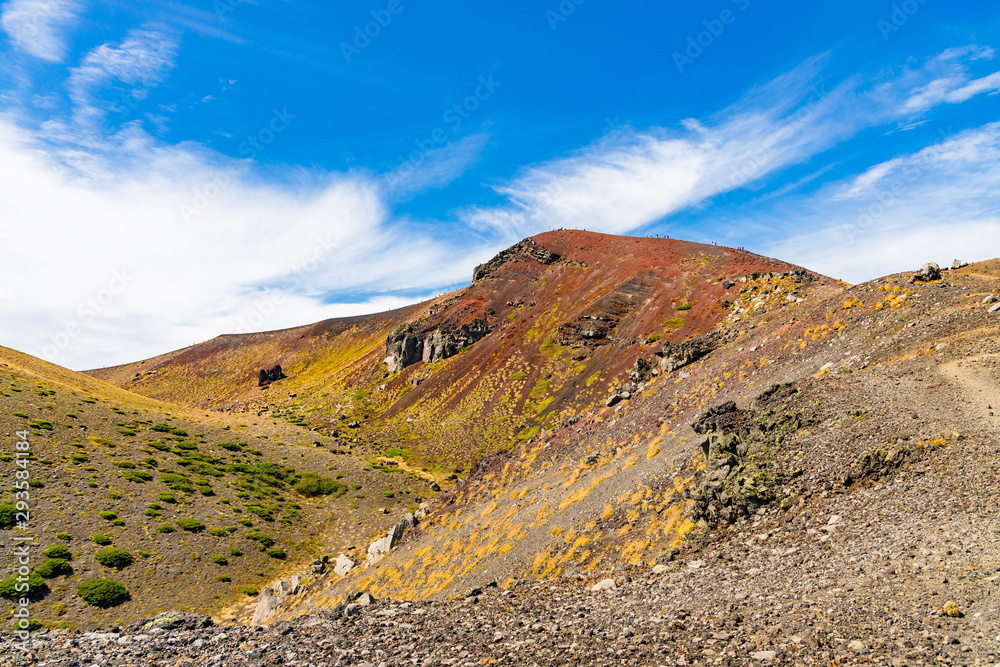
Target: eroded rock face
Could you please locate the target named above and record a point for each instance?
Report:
(402, 348)
(447, 342)
(680, 355)
(267, 604)
(526, 249)
(267, 376)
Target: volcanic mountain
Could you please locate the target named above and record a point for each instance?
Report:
(643, 450)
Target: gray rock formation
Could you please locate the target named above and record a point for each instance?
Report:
(688, 352)
(267, 376)
(447, 342)
(526, 249)
(402, 348)
(928, 273)
(343, 565)
(267, 604)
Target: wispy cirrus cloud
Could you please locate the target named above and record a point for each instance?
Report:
(39, 27)
(899, 213)
(631, 178)
(141, 61)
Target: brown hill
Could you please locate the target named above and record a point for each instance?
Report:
(541, 335)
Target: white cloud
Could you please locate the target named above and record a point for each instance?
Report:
(256, 256)
(39, 27)
(142, 60)
(937, 204)
(632, 178)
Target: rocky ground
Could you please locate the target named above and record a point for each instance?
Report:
(904, 572)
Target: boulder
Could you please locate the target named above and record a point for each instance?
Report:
(283, 588)
(640, 371)
(266, 376)
(402, 348)
(296, 582)
(928, 273)
(267, 604)
(176, 620)
(992, 298)
(958, 264)
(343, 565)
(994, 308)
(605, 585)
(378, 549)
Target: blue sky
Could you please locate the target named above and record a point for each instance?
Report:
(176, 170)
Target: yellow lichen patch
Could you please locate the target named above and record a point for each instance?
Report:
(489, 509)
(423, 551)
(654, 448)
(556, 532)
(608, 511)
(631, 461)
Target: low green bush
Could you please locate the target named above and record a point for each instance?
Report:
(276, 552)
(53, 567)
(57, 551)
(112, 557)
(101, 539)
(165, 528)
(102, 593)
(12, 589)
(219, 559)
(190, 525)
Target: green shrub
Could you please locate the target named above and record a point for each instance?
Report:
(224, 578)
(250, 590)
(190, 525)
(167, 497)
(114, 495)
(53, 567)
(165, 528)
(245, 522)
(36, 587)
(112, 557)
(142, 554)
(218, 532)
(57, 551)
(312, 485)
(40, 424)
(149, 462)
(102, 593)
(233, 551)
(151, 512)
(125, 464)
(261, 511)
(101, 539)
(219, 559)
(231, 446)
(79, 458)
(206, 491)
(8, 515)
(137, 476)
(261, 538)
(276, 552)
(177, 482)
(65, 537)
(187, 446)
(118, 522)
(154, 506)
(684, 306)
(108, 516)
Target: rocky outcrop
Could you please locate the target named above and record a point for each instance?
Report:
(266, 376)
(267, 603)
(382, 546)
(746, 461)
(673, 357)
(342, 566)
(447, 342)
(927, 274)
(402, 348)
(176, 620)
(526, 249)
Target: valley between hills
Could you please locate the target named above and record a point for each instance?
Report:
(603, 451)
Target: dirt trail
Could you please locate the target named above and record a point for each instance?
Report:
(979, 376)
